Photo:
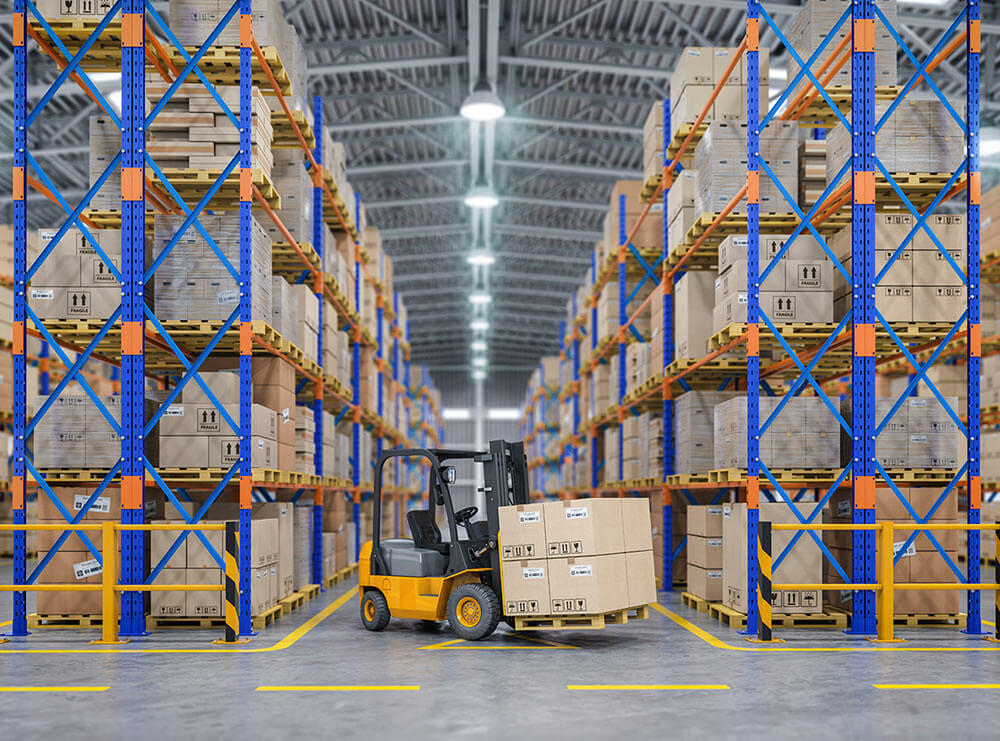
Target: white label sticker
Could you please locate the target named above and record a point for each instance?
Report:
(42, 293)
(713, 574)
(911, 549)
(714, 543)
(534, 573)
(843, 508)
(529, 517)
(727, 511)
(101, 504)
(918, 438)
(286, 415)
(715, 510)
(228, 297)
(87, 568)
(584, 570)
(260, 443)
(174, 410)
(576, 513)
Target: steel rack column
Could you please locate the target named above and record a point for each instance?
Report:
(753, 307)
(43, 369)
(863, 316)
(396, 349)
(973, 346)
(133, 154)
(379, 427)
(576, 391)
(406, 383)
(19, 184)
(356, 390)
(667, 454)
(594, 467)
(622, 320)
(246, 316)
(318, 226)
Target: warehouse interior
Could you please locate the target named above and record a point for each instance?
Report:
(567, 368)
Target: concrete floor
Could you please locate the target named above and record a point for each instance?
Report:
(819, 684)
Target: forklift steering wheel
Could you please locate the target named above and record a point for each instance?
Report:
(463, 516)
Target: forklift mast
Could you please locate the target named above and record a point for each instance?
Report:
(505, 479)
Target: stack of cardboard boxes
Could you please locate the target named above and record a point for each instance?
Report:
(295, 187)
(650, 233)
(812, 171)
(921, 283)
(704, 551)
(694, 430)
(919, 434)
(799, 288)
(576, 557)
(681, 213)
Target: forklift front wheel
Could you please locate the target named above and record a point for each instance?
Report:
(374, 610)
(473, 611)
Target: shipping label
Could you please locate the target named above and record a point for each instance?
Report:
(101, 504)
(911, 549)
(174, 410)
(577, 513)
(87, 568)
(581, 570)
(533, 573)
(524, 517)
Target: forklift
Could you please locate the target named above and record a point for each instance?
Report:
(427, 578)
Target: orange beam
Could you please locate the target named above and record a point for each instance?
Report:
(793, 106)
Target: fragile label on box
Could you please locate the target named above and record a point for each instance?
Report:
(566, 548)
(101, 504)
(522, 606)
(87, 568)
(208, 419)
(518, 551)
(560, 606)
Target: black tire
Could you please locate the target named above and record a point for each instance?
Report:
(374, 610)
(429, 626)
(473, 611)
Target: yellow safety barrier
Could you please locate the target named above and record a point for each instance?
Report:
(886, 587)
(109, 587)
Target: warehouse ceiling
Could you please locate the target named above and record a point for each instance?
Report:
(577, 78)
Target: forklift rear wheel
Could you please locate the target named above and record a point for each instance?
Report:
(473, 611)
(374, 610)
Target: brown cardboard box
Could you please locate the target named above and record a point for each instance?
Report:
(704, 520)
(928, 568)
(107, 506)
(203, 604)
(525, 587)
(69, 567)
(803, 565)
(704, 552)
(282, 513)
(198, 556)
(636, 524)
(522, 531)
(286, 456)
(45, 540)
(704, 583)
(587, 585)
(583, 527)
(169, 604)
(160, 541)
(640, 572)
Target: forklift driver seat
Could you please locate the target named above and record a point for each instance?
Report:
(425, 531)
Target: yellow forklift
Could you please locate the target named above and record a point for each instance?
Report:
(426, 577)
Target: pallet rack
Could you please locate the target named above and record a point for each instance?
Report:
(860, 346)
(126, 339)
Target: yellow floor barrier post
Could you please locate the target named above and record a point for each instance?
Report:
(109, 584)
(765, 590)
(885, 608)
(232, 581)
(995, 638)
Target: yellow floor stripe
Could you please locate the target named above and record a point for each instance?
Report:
(648, 687)
(936, 686)
(284, 643)
(54, 689)
(719, 643)
(341, 688)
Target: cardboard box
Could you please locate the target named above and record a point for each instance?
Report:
(641, 574)
(522, 531)
(526, 587)
(636, 524)
(588, 585)
(169, 604)
(704, 583)
(803, 565)
(705, 520)
(161, 541)
(583, 527)
(198, 556)
(282, 513)
(704, 552)
(203, 604)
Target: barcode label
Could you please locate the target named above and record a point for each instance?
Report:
(87, 568)
(101, 504)
(576, 513)
(529, 517)
(585, 570)
(534, 573)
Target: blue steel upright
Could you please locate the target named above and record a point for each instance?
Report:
(318, 226)
(863, 309)
(753, 308)
(133, 621)
(19, 184)
(576, 391)
(622, 321)
(667, 526)
(594, 466)
(246, 315)
(973, 346)
(356, 389)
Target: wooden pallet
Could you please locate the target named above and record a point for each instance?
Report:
(681, 480)
(221, 66)
(263, 619)
(285, 260)
(580, 622)
(36, 621)
(186, 476)
(192, 185)
(311, 591)
(819, 114)
(680, 135)
(200, 622)
(104, 55)
(284, 132)
(341, 575)
(695, 603)
(650, 186)
(782, 475)
(734, 619)
(710, 374)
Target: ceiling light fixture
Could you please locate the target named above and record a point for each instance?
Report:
(479, 325)
(481, 195)
(479, 375)
(480, 297)
(478, 346)
(479, 361)
(482, 104)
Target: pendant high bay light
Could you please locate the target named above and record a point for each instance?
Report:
(482, 104)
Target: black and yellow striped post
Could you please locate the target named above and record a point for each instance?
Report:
(232, 560)
(764, 619)
(996, 580)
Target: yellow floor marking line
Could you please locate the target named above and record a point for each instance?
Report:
(648, 687)
(464, 645)
(282, 644)
(341, 688)
(936, 686)
(54, 689)
(4, 625)
(719, 643)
